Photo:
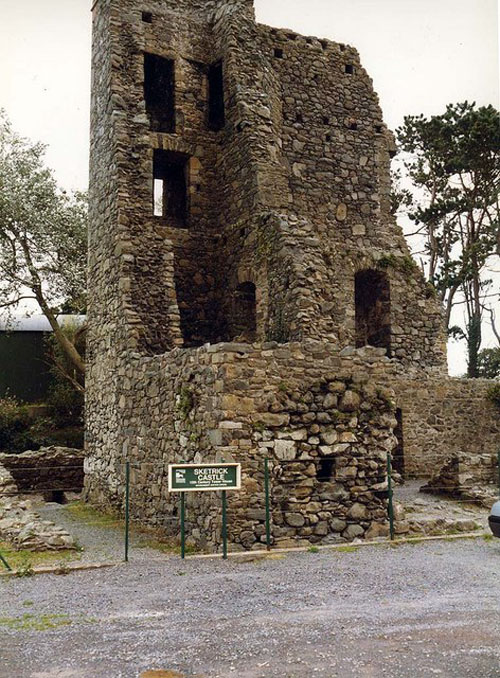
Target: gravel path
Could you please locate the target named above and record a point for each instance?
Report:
(414, 611)
(101, 542)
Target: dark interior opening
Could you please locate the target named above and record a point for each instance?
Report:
(326, 120)
(353, 126)
(398, 460)
(147, 17)
(170, 171)
(378, 129)
(159, 92)
(324, 470)
(349, 68)
(278, 53)
(245, 312)
(373, 309)
(216, 112)
(299, 117)
(55, 496)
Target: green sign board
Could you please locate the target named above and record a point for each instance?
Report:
(203, 477)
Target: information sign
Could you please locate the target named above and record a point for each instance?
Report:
(203, 477)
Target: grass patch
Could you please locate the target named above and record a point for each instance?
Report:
(347, 549)
(26, 560)
(488, 537)
(81, 511)
(313, 549)
(32, 622)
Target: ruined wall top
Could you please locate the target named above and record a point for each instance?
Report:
(206, 7)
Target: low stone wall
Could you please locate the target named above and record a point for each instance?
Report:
(322, 418)
(22, 527)
(441, 417)
(466, 476)
(46, 470)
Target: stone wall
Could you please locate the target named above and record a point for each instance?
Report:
(47, 469)
(322, 420)
(443, 416)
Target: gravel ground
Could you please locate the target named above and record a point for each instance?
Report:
(413, 611)
(100, 542)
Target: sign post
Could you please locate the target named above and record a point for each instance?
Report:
(184, 478)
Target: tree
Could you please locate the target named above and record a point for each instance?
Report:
(489, 363)
(453, 162)
(43, 236)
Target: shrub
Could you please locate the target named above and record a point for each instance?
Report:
(14, 424)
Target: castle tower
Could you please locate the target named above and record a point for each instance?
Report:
(240, 218)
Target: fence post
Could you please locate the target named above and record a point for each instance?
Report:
(127, 507)
(6, 564)
(268, 508)
(224, 525)
(183, 526)
(390, 506)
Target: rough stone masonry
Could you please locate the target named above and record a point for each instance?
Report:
(251, 295)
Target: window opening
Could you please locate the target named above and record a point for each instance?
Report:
(299, 118)
(245, 312)
(373, 310)
(147, 17)
(326, 120)
(353, 126)
(159, 92)
(170, 171)
(378, 129)
(216, 112)
(349, 68)
(324, 470)
(278, 53)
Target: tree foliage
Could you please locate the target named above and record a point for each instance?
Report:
(453, 161)
(43, 236)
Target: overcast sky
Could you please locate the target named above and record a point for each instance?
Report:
(421, 54)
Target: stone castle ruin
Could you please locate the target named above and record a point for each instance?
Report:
(251, 295)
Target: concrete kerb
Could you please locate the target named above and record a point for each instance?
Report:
(335, 547)
(262, 553)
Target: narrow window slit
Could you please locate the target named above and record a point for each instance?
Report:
(299, 117)
(216, 110)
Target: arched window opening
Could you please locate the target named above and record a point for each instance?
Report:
(373, 310)
(245, 312)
